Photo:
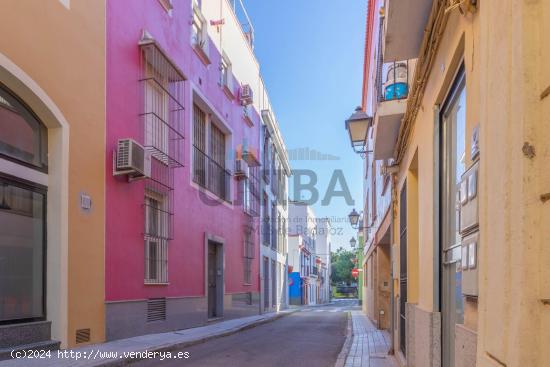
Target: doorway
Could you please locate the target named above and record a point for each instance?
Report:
(215, 280)
(266, 283)
(452, 166)
(273, 284)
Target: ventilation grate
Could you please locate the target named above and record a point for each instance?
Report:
(82, 336)
(156, 309)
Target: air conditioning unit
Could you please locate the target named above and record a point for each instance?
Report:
(241, 169)
(246, 96)
(132, 160)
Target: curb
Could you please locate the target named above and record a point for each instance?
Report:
(341, 360)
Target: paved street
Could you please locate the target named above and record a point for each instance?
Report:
(313, 336)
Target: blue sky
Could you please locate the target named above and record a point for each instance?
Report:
(311, 57)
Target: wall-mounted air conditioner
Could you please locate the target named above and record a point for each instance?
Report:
(241, 169)
(131, 159)
(245, 95)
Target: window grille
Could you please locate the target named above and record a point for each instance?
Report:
(251, 192)
(273, 228)
(157, 234)
(248, 253)
(266, 153)
(199, 145)
(273, 177)
(209, 165)
(163, 119)
(266, 225)
(163, 113)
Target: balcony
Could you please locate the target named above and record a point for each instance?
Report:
(404, 28)
(393, 81)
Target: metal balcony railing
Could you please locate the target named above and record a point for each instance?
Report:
(393, 81)
(210, 174)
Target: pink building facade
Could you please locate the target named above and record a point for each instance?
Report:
(182, 244)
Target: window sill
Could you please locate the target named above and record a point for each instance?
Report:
(201, 53)
(227, 91)
(155, 283)
(247, 284)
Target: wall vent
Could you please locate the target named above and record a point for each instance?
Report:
(156, 309)
(82, 336)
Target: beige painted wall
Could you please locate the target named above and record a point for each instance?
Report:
(514, 323)
(62, 50)
(505, 50)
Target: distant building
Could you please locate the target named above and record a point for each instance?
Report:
(324, 248)
(309, 259)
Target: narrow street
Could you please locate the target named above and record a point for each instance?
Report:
(313, 336)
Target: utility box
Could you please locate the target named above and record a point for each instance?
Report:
(468, 200)
(469, 264)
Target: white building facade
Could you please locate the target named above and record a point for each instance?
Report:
(274, 216)
(311, 274)
(324, 246)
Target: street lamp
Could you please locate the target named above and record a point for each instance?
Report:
(358, 126)
(354, 218)
(353, 242)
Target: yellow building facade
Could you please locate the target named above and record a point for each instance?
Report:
(465, 152)
(52, 79)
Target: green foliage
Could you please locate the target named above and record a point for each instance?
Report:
(342, 264)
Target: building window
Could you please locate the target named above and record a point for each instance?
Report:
(266, 231)
(163, 106)
(248, 254)
(199, 33)
(22, 136)
(251, 192)
(209, 155)
(199, 146)
(273, 229)
(156, 239)
(266, 153)
(156, 115)
(22, 251)
(226, 75)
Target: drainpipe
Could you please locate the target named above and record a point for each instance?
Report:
(392, 291)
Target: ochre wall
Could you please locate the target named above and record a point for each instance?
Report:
(63, 50)
(459, 44)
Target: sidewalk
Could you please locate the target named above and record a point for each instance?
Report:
(369, 346)
(97, 355)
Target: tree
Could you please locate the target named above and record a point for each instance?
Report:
(342, 264)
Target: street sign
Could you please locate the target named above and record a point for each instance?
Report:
(355, 272)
